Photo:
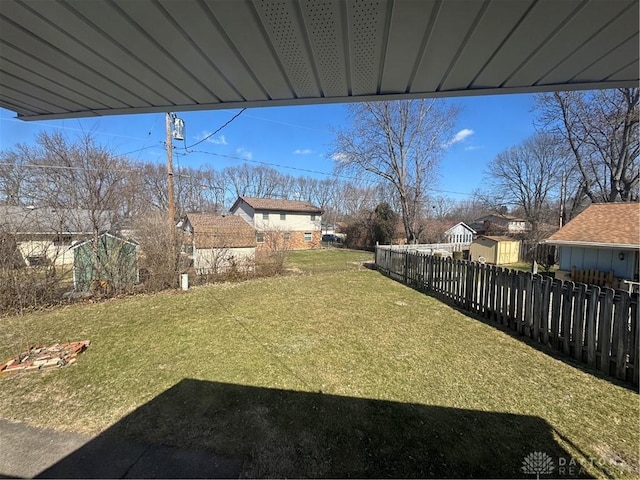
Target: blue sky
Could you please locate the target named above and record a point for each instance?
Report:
(295, 137)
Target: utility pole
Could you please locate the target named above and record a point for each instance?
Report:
(171, 200)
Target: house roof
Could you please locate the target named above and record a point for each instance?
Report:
(602, 225)
(221, 231)
(278, 205)
(498, 217)
(46, 220)
(464, 225)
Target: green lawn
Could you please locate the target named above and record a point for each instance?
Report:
(333, 372)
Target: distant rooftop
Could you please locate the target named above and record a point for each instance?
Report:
(48, 220)
(278, 205)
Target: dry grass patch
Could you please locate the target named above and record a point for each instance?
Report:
(336, 374)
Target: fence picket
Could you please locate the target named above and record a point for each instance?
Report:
(621, 333)
(565, 322)
(556, 306)
(545, 304)
(537, 307)
(590, 328)
(513, 286)
(578, 319)
(604, 331)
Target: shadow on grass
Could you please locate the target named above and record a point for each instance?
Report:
(540, 346)
(263, 432)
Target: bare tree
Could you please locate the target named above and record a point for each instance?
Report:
(15, 175)
(528, 176)
(601, 130)
(83, 180)
(398, 142)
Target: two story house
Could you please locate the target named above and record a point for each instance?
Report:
(293, 224)
(499, 224)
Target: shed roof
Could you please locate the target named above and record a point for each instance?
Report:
(221, 231)
(497, 239)
(602, 225)
(278, 205)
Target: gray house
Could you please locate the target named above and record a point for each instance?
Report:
(604, 238)
(44, 235)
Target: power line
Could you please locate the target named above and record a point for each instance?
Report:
(69, 167)
(328, 174)
(212, 134)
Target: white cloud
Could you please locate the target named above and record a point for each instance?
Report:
(219, 140)
(305, 151)
(461, 136)
(247, 155)
(339, 157)
(473, 147)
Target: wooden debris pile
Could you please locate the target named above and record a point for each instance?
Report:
(39, 357)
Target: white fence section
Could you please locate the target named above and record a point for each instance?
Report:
(444, 249)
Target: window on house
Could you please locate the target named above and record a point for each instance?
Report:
(313, 217)
(61, 240)
(265, 216)
(308, 236)
(287, 236)
(283, 216)
(260, 237)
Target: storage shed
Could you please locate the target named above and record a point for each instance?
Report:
(495, 250)
(116, 266)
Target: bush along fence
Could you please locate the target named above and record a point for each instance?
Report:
(595, 326)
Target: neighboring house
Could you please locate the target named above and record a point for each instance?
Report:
(288, 223)
(494, 250)
(459, 233)
(605, 237)
(499, 224)
(45, 235)
(218, 243)
(109, 266)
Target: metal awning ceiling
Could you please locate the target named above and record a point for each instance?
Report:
(79, 58)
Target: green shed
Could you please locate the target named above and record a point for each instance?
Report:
(116, 268)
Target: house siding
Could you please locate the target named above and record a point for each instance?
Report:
(294, 222)
(246, 212)
(601, 259)
(56, 254)
(296, 241)
(207, 261)
(458, 234)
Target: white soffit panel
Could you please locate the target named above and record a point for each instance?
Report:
(72, 58)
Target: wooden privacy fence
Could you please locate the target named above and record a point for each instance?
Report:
(596, 326)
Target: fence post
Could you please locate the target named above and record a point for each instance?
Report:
(620, 334)
(604, 330)
(544, 314)
(592, 310)
(567, 301)
(578, 319)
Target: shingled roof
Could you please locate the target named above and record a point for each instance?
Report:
(48, 220)
(221, 231)
(602, 225)
(278, 205)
